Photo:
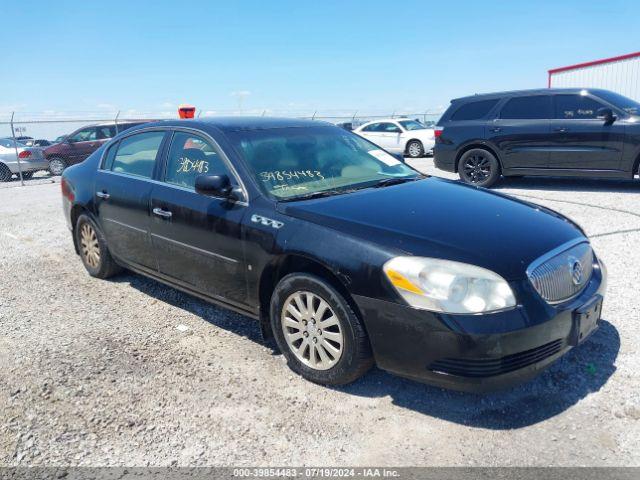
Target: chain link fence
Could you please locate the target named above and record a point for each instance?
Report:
(35, 147)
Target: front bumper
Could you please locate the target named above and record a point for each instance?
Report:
(476, 353)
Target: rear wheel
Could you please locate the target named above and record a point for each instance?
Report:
(415, 149)
(318, 332)
(5, 173)
(479, 167)
(93, 249)
(57, 165)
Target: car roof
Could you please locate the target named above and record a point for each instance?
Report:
(396, 119)
(120, 122)
(516, 93)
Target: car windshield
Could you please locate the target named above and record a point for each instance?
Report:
(293, 163)
(412, 125)
(630, 106)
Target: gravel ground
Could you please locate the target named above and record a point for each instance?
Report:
(130, 372)
(39, 178)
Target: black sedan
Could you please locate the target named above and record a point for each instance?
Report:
(347, 256)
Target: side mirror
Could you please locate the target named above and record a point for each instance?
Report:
(607, 115)
(214, 186)
(399, 156)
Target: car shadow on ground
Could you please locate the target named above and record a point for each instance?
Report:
(572, 184)
(220, 317)
(580, 372)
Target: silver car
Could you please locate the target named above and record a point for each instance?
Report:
(31, 160)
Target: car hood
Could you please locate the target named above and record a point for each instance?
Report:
(444, 219)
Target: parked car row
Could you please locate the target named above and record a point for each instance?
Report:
(78, 145)
(35, 155)
(343, 253)
(549, 132)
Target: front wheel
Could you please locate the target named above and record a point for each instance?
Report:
(415, 149)
(479, 167)
(57, 166)
(318, 332)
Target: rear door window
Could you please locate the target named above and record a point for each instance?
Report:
(106, 132)
(371, 128)
(137, 154)
(576, 107)
(527, 108)
(387, 127)
(474, 110)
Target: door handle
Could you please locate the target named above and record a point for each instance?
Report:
(560, 129)
(495, 129)
(103, 195)
(162, 213)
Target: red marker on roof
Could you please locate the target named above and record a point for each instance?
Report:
(186, 111)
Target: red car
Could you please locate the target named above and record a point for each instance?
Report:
(77, 146)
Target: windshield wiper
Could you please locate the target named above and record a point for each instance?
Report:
(320, 194)
(330, 193)
(395, 181)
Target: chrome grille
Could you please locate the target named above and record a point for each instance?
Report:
(563, 272)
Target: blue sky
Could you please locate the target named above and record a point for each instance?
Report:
(294, 55)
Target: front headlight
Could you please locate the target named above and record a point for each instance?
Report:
(449, 287)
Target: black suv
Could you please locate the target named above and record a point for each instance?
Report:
(549, 132)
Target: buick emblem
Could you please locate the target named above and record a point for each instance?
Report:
(576, 269)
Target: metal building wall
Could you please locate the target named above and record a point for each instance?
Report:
(621, 75)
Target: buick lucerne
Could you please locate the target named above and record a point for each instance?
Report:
(344, 254)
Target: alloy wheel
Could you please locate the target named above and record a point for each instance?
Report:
(56, 166)
(89, 245)
(415, 150)
(312, 330)
(477, 168)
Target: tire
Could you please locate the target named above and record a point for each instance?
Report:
(5, 173)
(57, 165)
(415, 149)
(93, 249)
(479, 167)
(342, 355)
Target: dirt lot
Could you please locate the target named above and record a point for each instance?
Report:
(130, 372)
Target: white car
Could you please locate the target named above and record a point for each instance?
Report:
(399, 135)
